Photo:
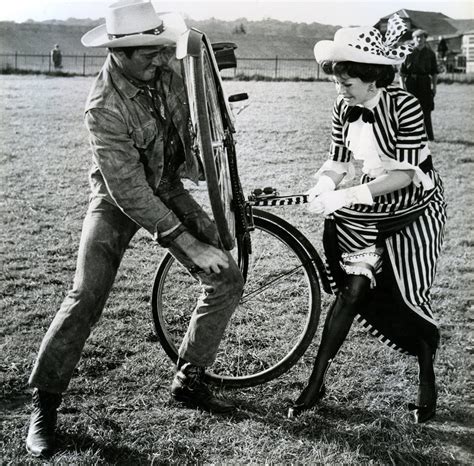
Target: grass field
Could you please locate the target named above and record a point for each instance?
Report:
(117, 409)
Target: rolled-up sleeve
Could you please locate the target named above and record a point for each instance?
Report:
(124, 173)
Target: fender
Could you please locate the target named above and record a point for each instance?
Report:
(189, 44)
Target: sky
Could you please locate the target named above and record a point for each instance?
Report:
(335, 12)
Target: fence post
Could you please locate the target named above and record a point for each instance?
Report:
(317, 72)
(276, 66)
(16, 60)
(84, 65)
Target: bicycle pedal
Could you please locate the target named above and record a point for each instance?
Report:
(265, 193)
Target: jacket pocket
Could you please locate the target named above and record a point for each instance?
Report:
(144, 135)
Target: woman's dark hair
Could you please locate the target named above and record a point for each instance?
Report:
(382, 75)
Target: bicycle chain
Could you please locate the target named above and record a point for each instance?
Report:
(239, 204)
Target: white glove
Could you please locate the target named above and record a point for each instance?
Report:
(324, 184)
(329, 202)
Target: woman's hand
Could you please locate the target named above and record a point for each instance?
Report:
(324, 184)
(329, 202)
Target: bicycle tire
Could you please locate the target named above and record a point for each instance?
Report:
(260, 344)
(214, 138)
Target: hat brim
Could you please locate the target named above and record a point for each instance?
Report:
(327, 50)
(173, 23)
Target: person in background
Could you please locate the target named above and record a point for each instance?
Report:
(419, 76)
(382, 237)
(56, 57)
(142, 145)
(442, 47)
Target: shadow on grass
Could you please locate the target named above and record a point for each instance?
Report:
(459, 417)
(461, 142)
(371, 433)
(14, 400)
(81, 443)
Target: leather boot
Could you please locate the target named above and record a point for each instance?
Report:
(189, 387)
(425, 408)
(41, 433)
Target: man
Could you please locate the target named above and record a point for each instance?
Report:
(442, 47)
(138, 121)
(419, 76)
(56, 57)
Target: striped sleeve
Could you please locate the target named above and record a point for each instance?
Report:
(411, 130)
(338, 151)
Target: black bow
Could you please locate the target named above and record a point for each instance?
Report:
(354, 113)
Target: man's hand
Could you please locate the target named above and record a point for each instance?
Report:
(206, 257)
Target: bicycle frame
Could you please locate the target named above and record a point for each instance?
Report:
(261, 344)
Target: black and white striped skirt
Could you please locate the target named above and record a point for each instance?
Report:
(398, 310)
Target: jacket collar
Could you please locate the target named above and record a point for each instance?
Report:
(125, 85)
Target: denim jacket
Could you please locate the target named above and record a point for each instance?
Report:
(127, 146)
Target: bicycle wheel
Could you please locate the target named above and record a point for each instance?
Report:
(214, 138)
(275, 320)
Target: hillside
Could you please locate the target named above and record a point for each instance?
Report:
(255, 39)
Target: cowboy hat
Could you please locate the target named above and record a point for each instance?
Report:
(365, 45)
(135, 23)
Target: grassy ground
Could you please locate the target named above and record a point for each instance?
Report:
(117, 410)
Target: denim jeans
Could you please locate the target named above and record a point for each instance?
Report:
(105, 235)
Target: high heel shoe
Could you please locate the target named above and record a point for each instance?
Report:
(299, 406)
(425, 409)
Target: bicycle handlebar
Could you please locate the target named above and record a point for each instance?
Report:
(275, 200)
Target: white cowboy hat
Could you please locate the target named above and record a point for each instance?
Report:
(135, 23)
(365, 45)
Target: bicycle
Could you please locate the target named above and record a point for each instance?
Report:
(259, 344)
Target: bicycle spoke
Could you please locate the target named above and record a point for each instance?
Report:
(261, 289)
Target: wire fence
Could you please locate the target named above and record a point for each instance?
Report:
(270, 68)
(275, 68)
(75, 64)
(247, 68)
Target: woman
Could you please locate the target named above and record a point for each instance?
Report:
(419, 76)
(382, 237)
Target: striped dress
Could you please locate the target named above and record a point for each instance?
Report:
(408, 223)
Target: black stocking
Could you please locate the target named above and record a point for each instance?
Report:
(426, 391)
(425, 361)
(337, 326)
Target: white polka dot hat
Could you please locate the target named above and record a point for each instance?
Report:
(365, 45)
